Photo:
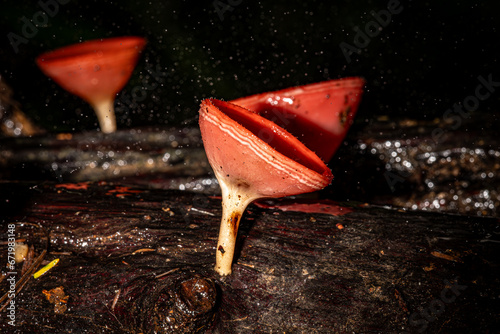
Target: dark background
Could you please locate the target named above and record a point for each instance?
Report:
(426, 59)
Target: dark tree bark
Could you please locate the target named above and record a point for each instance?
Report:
(139, 260)
(410, 164)
(93, 156)
(447, 166)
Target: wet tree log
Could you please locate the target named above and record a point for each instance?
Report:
(432, 166)
(443, 165)
(92, 156)
(140, 260)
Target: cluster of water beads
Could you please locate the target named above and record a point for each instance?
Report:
(451, 179)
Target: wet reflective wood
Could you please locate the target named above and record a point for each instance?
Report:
(127, 253)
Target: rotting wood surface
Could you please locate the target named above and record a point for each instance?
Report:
(399, 163)
(426, 165)
(138, 260)
(94, 156)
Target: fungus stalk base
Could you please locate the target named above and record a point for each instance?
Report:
(105, 112)
(234, 202)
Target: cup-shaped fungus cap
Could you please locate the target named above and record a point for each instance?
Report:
(320, 114)
(247, 149)
(253, 158)
(95, 71)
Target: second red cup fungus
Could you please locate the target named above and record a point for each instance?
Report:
(95, 71)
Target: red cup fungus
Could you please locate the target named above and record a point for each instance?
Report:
(95, 71)
(319, 114)
(253, 158)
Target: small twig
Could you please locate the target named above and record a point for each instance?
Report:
(446, 256)
(115, 300)
(246, 264)
(240, 319)
(23, 280)
(60, 253)
(29, 272)
(201, 211)
(168, 272)
(142, 250)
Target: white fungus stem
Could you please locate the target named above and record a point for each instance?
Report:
(105, 112)
(235, 199)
